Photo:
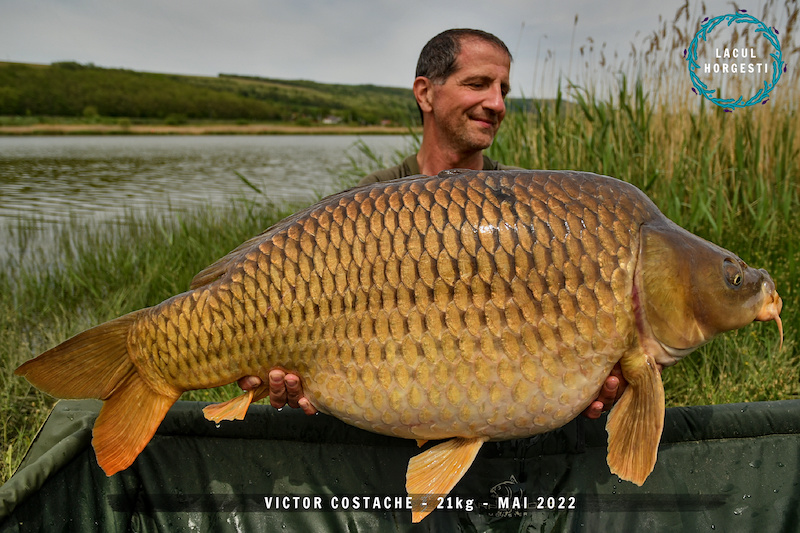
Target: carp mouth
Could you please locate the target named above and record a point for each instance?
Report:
(771, 310)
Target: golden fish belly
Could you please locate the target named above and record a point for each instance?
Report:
(470, 305)
(483, 398)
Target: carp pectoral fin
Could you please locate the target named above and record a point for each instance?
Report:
(436, 471)
(635, 423)
(127, 421)
(421, 442)
(233, 409)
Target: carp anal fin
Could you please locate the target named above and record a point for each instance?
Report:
(128, 420)
(436, 471)
(635, 423)
(96, 364)
(235, 408)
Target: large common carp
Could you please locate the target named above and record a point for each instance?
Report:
(474, 305)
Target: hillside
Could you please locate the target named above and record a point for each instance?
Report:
(69, 89)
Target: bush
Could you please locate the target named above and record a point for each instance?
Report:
(175, 119)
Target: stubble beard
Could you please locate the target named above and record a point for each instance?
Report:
(470, 138)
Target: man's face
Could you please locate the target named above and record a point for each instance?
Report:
(470, 105)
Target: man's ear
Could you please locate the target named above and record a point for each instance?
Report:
(423, 92)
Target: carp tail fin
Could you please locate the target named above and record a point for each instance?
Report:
(96, 364)
(434, 472)
(635, 423)
(89, 365)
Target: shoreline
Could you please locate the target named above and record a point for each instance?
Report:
(197, 129)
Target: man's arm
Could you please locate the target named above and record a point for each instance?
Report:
(286, 389)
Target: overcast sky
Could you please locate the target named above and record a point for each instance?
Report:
(353, 42)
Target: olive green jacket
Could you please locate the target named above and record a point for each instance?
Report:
(410, 167)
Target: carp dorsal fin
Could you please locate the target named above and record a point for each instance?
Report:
(635, 423)
(436, 471)
(218, 268)
(210, 273)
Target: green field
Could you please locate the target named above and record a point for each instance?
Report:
(733, 178)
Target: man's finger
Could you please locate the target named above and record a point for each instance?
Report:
(249, 383)
(594, 410)
(306, 406)
(277, 389)
(608, 394)
(294, 391)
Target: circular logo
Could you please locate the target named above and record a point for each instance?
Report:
(778, 66)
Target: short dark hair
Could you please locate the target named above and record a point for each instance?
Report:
(437, 60)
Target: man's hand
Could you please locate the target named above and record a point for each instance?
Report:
(610, 392)
(286, 389)
(283, 389)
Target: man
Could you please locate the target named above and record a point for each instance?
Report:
(461, 82)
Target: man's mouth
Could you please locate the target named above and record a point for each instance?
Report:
(485, 122)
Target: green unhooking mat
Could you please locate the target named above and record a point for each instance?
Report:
(723, 468)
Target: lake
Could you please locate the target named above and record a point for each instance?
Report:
(97, 178)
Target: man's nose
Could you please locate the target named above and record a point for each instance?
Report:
(494, 100)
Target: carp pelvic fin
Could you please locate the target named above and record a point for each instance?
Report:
(635, 424)
(96, 364)
(436, 471)
(235, 408)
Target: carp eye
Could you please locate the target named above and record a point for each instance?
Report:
(732, 272)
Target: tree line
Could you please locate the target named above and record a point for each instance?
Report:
(70, 89)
